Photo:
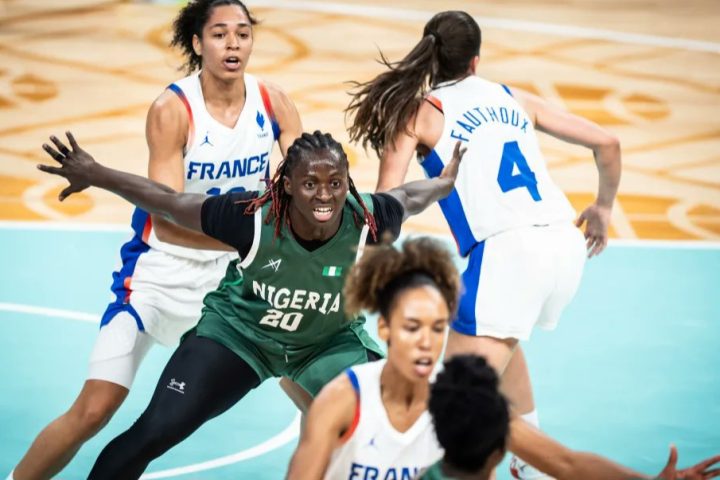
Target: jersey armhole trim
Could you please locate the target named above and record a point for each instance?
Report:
(356, 418)
(191, 123)
(362, 242)
(147, 228)
(505, 87)
(269, 109)
(435, 102)
(245, 262)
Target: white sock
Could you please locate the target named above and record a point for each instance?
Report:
(10, 477)
(532, 418)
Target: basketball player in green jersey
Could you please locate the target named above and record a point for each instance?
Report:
(279, 310)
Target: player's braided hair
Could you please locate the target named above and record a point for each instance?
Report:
(470, 415)
(383, 106)
(191, 20)
(374, 282)
(305, 147)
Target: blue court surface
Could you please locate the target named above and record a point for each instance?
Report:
(632, 367)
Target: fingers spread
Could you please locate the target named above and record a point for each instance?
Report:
(49, 169)
(597, 248)
(673, 456)
(60, 146)
(714, 473)
(710, 461)
(456, 150)
(459, 151)
(66, 193)
(72, 141)
(59, 157)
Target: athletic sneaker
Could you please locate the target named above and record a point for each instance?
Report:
(522, 471)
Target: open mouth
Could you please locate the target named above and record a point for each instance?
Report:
(423, 366)
(232, 63)
(322, 214)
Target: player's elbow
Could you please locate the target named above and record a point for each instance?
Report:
(607, 152)
(567, 466)
(609, 143)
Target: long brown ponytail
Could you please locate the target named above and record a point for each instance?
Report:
(383, 107)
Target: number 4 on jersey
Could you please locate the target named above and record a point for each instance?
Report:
(524, 179)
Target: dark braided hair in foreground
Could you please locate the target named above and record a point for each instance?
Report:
(470, 415)
(190, 21)
(304, 148)
(376, 280)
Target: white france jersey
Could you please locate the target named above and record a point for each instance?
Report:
(219, 159)
(375, 449)
(503, 181)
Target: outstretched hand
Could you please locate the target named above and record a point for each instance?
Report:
(596, 230)
(700, 471)
(451, 169)
(75, 165)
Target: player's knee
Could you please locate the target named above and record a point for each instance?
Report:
(92, 416)
(156, 433)
(96, 417)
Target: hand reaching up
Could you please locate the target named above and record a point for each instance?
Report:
(76, 165)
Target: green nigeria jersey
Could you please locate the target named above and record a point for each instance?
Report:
(434, 472)
(286, 293)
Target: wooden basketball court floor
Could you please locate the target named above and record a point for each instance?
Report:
(648, 70)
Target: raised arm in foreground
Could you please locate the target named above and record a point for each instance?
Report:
(81, 170)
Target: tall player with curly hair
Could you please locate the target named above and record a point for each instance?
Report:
(279, 309)
(210, 132)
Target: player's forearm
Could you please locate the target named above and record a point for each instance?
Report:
(308, 464)
(609, 165)
(589, 466)
(418, 195)
(177, 235)
(153, 197)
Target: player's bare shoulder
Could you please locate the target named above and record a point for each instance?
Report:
(281, 103)
(336, 402)
(168, 116)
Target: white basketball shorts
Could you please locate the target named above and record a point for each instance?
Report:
(158, 298)
(520, 278)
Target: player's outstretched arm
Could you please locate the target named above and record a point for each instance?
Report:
(571, 128)
(418, 195)
(81, 170)
(331, 415)
(553, 458)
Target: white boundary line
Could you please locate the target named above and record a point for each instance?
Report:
(50, 312)
(64, 226)
(287, 435)
(116, 227)
(500, 23)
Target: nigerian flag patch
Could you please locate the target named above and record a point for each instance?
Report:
(332, 271)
